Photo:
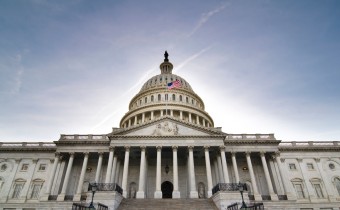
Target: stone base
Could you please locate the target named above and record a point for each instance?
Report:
(193, 194)
(258, 197)
(76, 197)
(111, 199)
(274, 197)
(158, 194)
(140, 194)
(61, 197)
(223, 199)
(290, 196)
(176, 194)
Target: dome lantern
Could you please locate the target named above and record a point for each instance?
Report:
(166, 67)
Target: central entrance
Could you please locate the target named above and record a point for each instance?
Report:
(167, 188)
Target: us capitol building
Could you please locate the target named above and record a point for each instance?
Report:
(167, 146)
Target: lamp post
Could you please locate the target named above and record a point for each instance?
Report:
(240, 188)
(93, 189)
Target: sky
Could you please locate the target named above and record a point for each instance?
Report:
(72, 67)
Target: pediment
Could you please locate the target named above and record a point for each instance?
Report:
(167, 127)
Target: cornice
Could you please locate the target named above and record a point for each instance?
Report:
(251, 142)
(167, 137)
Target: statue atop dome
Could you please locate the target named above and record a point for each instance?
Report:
(166, 55)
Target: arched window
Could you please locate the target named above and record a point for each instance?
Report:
(166, 97)
(299, 188)
(152, 98)
(337, 184)
(159, 97)
(19, 184)
(36, 187)
(187, 99)
(173, 97)
(146, 100)
(140, 102)
(180, 98)
(192, 101)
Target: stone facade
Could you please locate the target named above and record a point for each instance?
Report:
(167, 146)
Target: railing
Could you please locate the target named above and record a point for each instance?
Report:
(250, 206)
(106, 187)
(309, 143)
(52, 197)
(84, 206)
(250, 137)
(68, 198)
(83, 137)
(266, 197)
(282, 197)
(27, 144)
(229, 187)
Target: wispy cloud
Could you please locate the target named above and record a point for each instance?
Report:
(191, 58)
(205, 17)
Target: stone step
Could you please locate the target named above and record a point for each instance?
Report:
(164, 204)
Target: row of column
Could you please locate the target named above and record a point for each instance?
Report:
(135, 121)
(220, 165)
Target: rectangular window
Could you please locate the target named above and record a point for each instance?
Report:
(17, 189)
(299, 190)
(24, 167)
(36, 191)
(310, 166)
(42, 167)
(292, 166)
(318, 190)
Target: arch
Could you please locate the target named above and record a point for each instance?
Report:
(132, 190)
(146, 100)
(167, 188)
(336, 182)
(201, 190)
(180, 98)
(152, 98)
(159, 97)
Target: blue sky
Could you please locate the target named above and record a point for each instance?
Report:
(71, 67)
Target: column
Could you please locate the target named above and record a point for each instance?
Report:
(116, 178)
(220, 170)
(151, 115)
(141, 193)
(175, 193)
(171, 112)
(217, 174)
(193, 190)
(197, 120)
(233, 159)
(181, 115)
(161, 113)
(99, 166)
(61, 196)
(135, 123)
(129, 122)
(224, 165)
(81, 179)
(257, 196)
(203, 121)
(158, 192)
(51, 177)
(114, 166)
(208, 169)
(125, 171)
(266, 173)
(327, 183)
(190, 120)
(109, 165)
(143, 117)
(284, 178)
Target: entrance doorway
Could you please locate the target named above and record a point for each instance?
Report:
(167, 188)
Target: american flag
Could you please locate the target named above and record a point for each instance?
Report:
(174, 84)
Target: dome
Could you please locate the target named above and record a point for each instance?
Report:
(155, 101)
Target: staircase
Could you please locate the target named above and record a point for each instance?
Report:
(165, 204)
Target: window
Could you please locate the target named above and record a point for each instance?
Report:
(42, 167)
(292, 166)
(159, 97)
(17, 189)
(146, 100)
(180, 98)
(337, 184)
(24, 167)
(173, 97)
(3, 167)
(318, 190)
(310, 166)
(166, 97)
(299, 190)
(36, 191)
(140, 102)
(187, 99)
(192, 101)
(151, 98)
